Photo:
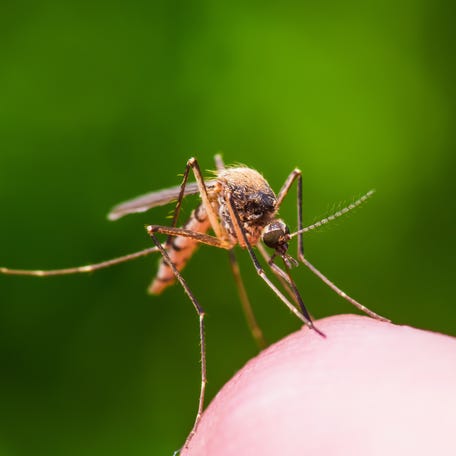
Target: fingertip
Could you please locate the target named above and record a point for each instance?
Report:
(364, 383)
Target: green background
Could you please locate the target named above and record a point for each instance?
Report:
(102, 101)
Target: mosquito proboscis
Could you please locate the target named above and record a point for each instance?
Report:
(239, 207)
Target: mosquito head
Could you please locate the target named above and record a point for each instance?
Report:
(276, 236)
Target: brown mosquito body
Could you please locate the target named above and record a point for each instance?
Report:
(240, 208)
(254, 201)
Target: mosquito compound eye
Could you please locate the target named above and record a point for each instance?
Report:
(275, 234)
(271, 238)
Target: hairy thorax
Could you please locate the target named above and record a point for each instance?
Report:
(252, 198)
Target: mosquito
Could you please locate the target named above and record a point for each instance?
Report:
(240, 208)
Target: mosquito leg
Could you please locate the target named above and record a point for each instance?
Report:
(296, 174)
(79, 269)
(343, 294)
(211, 213)
(188, 239)
(287, 184)
(301, 230)
(196, 223)
(179, 199)
(275, 269)
(246, 306)
(263, 275)
(200, 312)
(255, 329)
(286, 280)
(240, 234)
(196, 236)
(297, 295)
(300, 237)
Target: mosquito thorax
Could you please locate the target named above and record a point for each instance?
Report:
(276, 235)
(258, 206)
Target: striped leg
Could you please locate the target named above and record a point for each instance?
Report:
(310, 266)
(241, 234)
(255, 329)
(200, 313)
(296, 174)
(78, 269)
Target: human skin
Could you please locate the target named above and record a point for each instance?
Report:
(368, 388)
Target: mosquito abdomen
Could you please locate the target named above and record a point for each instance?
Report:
(180, 249)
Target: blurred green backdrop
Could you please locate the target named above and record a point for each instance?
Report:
(103, 101)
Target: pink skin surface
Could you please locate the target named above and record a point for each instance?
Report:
(369, 388)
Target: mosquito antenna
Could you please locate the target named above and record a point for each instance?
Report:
(79, 269)
(336, 215)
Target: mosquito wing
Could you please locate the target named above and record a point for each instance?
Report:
(153, 199)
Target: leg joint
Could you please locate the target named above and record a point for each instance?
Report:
(152, 228)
